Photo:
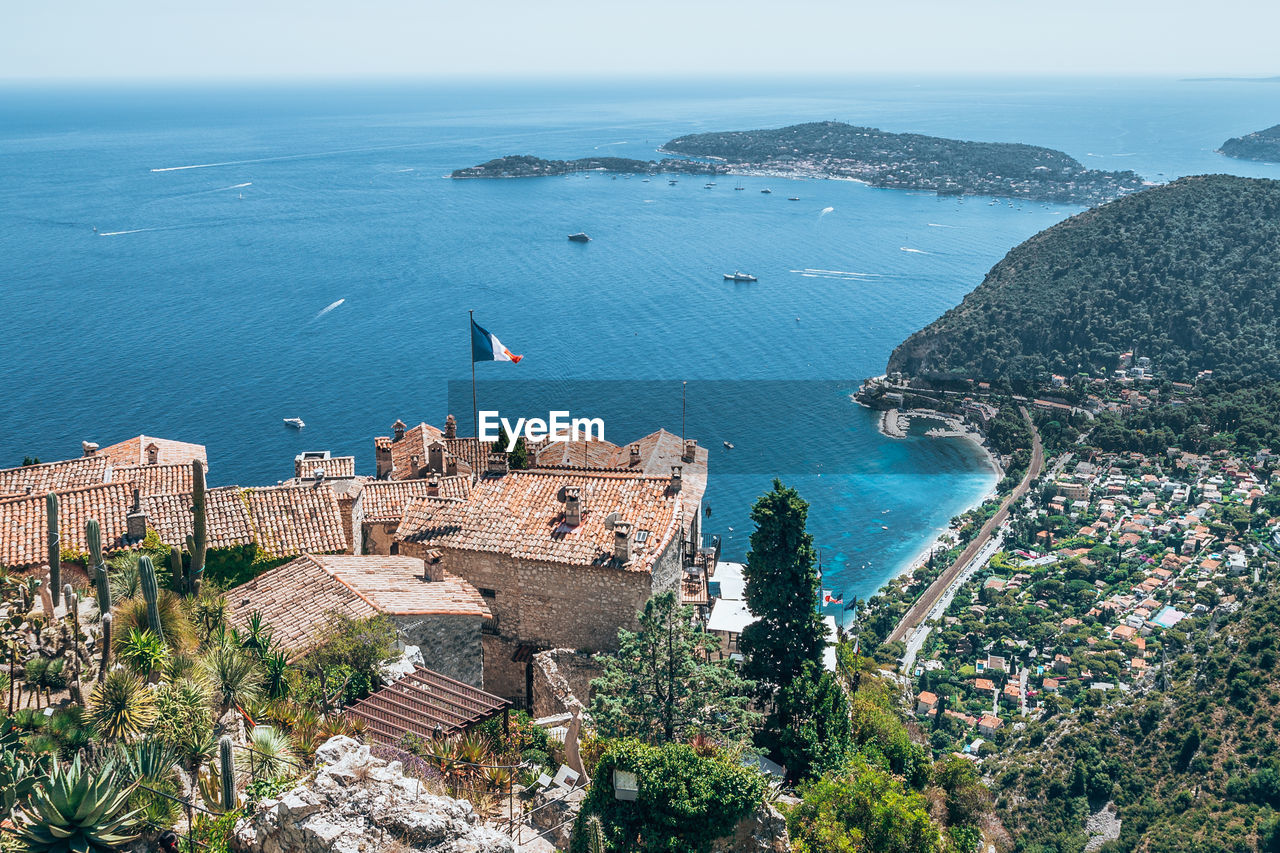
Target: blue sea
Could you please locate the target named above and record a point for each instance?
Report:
(228, 217)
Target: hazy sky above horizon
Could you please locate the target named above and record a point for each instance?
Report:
(168, 39)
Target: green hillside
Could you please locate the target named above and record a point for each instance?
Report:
(1260, 145)
(1187, 274)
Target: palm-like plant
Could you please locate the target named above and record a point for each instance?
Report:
(142, 652)
(121, 706)
(151, 765)
(270, 753)
(210, 614)
(75, 810)
(275, 671)
(255, 637)
(233, 676)
(123, 579)
(176, 627)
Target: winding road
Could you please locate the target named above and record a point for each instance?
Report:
(919, 612)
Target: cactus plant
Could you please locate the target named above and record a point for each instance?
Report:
(93, 537)
(218, 788)
(178, 582)
(593, 832)
(55, 545)
(151, 593)
(68, 596)
(106, 645)
(199, 525)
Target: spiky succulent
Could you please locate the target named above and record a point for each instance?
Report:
(77, 810)
(121, 706)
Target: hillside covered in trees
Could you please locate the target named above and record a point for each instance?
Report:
(1259, 145)
(1187, 274)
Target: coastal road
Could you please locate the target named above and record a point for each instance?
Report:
(919, 612)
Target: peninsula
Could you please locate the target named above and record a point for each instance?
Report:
(535, 167)
(1259, 145)
(908, 161)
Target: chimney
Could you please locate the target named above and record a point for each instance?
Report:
(435, 458)
(690, 449)
(319, 475)
(413, 465)
(635, 454)
(398, 429)
(433, 488)
(450, 427)
(451, 466)
(622, 542)
(89, 448)
(136, 521)
(432, 567)
(677, 477)
(497, 465)
(572, 506)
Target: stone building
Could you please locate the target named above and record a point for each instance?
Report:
(564, 558)
(435, 610)
(413, 453)
(382, 503)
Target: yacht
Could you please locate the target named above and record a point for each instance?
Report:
(580, 237)
(766, 191)
(739, 276)
(296, 423)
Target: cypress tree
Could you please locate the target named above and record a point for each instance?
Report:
(781, 591)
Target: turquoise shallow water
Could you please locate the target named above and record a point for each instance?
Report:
(192, 312)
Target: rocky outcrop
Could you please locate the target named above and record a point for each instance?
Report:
(561, 679)
(357, 802)
(762, 831)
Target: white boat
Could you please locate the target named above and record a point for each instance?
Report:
(739, 276)
(296, 423)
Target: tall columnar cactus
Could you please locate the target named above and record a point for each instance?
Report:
(199, 525)
(93, 537)
(227, 772)
(55, 545)
(68, 596)
(106, 646)
(178, 583)
(150, 592)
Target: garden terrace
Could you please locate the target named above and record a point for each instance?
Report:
(420, 703)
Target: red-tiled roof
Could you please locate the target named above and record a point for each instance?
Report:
(385, 501)
(334, 466)
(136, 451)
(225, 510)
(297, 520)
(521, 514)
(420, 702)
(53, 476)
(296, 599)
(167, 479)
(413, 444)
(24, 523)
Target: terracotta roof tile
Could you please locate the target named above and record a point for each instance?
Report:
(297, 520)
(295, 600)
(136, 451)
(334, 466)
(413, 444)
(578, 454)
(385, 501)
(228, 517)
(521, 514)
(23, 523)
(168, 479)
(53, 476)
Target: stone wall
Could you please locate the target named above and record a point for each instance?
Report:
(450, 645)
(560, 677)
(668, 567)
(379, 537)
(503, 676)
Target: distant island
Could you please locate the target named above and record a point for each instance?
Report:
(536, 167)
(881, 159)
(1259, 145)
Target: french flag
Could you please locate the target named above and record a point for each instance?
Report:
(487, 347)
(829, 597)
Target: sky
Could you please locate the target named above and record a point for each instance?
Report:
(169, 40)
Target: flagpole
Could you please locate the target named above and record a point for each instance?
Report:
(475, 408)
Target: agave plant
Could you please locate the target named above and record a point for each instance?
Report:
(233, 676)
(76, 810)
(275, 671)
(210, 612)
(142, 652)
(151, 765)
(270, 753)
(255, 637)
(123, 579)
(121, 706)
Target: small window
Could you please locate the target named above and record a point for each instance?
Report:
(488, 593)
(641, 536)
